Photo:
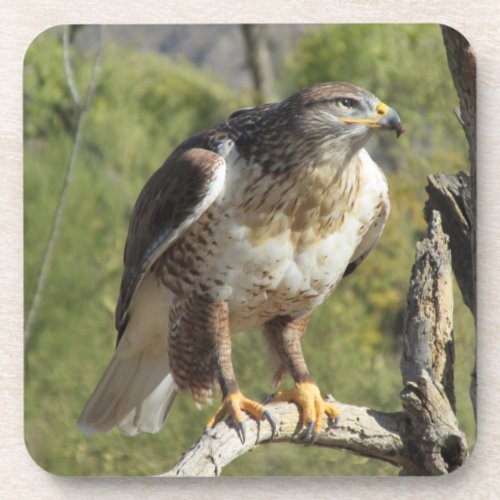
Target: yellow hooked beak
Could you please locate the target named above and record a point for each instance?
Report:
(386, 118)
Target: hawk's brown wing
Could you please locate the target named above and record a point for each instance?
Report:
(173, 198)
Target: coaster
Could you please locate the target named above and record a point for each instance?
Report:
(197, 198)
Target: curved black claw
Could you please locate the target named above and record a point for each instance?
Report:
(314, 436)
(268, 398)
(309, 435)
(272, 422)
(242, 431)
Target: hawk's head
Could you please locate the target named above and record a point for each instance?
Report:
(346, 108)
(340, 116)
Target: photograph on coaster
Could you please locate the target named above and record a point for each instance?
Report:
(249, 238)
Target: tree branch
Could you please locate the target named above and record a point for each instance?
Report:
(61, 204)
(68, 66)
(451, 196)
(358, 429)
(434, 440)
(424, 439)
(259, 61)
(462, 64)
(428, 343)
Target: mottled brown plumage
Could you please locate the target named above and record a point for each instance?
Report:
(252, 223)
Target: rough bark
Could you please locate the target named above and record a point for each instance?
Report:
(455, 197)
(462, 64)
(428, 335)
(361, 430)
(437, 445)
(423, 439)
(451, 196)
(433, 439)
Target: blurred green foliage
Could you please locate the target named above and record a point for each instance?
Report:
(144, 105)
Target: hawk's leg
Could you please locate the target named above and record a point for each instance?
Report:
(233, 403)
(284, 335)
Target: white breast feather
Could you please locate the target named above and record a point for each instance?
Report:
(250, 272)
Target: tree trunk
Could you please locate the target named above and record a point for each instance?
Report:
(462, 63)
(259, 62)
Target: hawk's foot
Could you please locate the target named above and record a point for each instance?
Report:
(234, 404)
(312, 405)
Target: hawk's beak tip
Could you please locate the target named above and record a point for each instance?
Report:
(391, 121)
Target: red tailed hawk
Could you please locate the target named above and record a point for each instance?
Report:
(251, 223)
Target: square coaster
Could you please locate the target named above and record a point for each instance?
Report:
(184, 183)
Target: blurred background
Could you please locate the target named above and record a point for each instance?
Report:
(155, 86)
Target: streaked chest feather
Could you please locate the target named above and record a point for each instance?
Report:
(277, 246)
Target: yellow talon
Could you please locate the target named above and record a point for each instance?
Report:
(233, 404)
(313, 406)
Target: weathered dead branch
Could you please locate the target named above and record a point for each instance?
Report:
(454, 196)
(434, 439)
(428, 334)
(462, 64)
(361, 430)
(451, 196)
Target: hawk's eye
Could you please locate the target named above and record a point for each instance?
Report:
(345, 103)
